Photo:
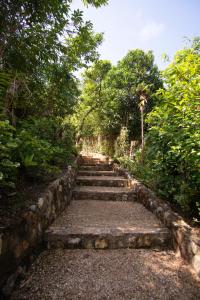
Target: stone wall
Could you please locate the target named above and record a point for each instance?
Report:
(185, 241)
(20, 239)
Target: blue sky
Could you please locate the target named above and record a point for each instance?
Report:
(159, 25)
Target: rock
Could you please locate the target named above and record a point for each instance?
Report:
(196, 263)
(1, 243)
(39, 228)
(194, 247)
(147, 241)
(74, 242)
(132, 242)
(50, 197)
(33, 208)
(40, 202)
(124, 197)
(12, 194)
(101, 244)
(88, 244)
(18, 250)
(159, 211)
(25, 245)
(120, 244)
(167, 218)
(7, 289)
(153, 205)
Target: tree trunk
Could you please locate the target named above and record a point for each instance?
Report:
(79, 135)
(142, 133)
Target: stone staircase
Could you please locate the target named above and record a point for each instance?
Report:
(104, 214)
(77, 267)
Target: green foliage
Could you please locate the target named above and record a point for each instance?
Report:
(8, 165)
(174, 137)
(4, 84)
(92, 98)
(40, 62)
(46, 141)
(172, 157)
(35, 155)
(95, 3)
(122, 144)
(135, 70)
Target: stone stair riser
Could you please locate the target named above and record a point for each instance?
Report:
(110, 183)
(93, 163)
(82, 195)
(103, 167)
(94, 241)
(96, 173)
(94, 160)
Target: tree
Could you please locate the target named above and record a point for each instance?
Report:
(92, 94)
(32, 48)
(111, 96)
(135, 70)
(143, 93)
(41, 44)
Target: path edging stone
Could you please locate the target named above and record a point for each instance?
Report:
(19, 240)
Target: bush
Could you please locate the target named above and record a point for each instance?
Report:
(8, 164)
(58, 134)
(35, 155)
(173, 141)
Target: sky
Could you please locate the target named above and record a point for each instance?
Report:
(158, 25)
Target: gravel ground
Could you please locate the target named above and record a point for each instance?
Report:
(87, 213)
(117, 275)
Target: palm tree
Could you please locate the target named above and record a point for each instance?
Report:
(143, 93)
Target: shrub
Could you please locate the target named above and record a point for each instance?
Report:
(8, 164)
(35, 155)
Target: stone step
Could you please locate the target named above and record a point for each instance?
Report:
(96, 173)
(107, 225)
(112, 181)
(100, 167)
(103, 193)
(107, 238)
(94, 162)
(91, 158)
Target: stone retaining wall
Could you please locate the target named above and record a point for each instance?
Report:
(20, 239)
(185, 242)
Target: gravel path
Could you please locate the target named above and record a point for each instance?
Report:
(101, 275)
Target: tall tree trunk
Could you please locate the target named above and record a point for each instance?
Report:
(142, 133)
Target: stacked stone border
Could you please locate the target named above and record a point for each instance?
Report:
(185, 242)
(19, 240)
